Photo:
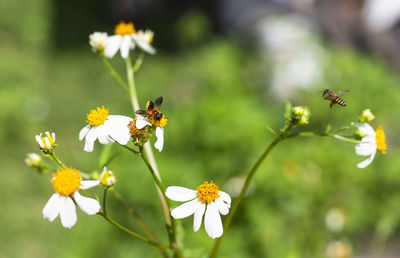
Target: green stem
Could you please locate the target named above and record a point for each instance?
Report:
(57, 160)
(105, 200)
(138, 62)
(246, 185)
(131, 233)
(131, 83)
(115, 74)
(141, 222)
(309, 134)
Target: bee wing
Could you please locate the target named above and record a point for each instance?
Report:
(342, 92)
(141, 112)
(158, 102)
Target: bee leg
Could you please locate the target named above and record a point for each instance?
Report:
(332, 104)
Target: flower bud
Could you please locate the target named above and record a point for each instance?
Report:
(300, 115)
(359, 134)
(366, 116)
(107, 178)
(97, 41)
(33, 160)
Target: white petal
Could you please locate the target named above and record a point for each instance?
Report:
(366, 128)
(52, 207)
(83, 132)
(86, 184)
(160, 138)
(180, 194)
(143, 44)
(186, 209)
(142, 122)
(88, 205)
(68, 213)
(112, 45)
(212, 221)
(102, 134)
(125, 46)
(117, 128)
(365, 149)
(90, 138)
(366, 162)
(225, 197)
(39, 141)
(222, 207)
(198, 217)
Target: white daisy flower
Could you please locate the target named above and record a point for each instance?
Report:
(144, 40)
(46, 142)
(370, 143)
(207, 199)
(97, 41)
(125, 38)
(153, 117)
(66, 183)
(107, 128)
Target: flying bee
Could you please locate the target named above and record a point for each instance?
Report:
(153, 113)
(334, 97)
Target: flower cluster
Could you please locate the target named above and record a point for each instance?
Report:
(125, 38)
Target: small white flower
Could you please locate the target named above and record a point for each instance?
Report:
(97, 41)
(66, 183)
(207, 199)
(335, 219)
(144, 121)
(107, 177)
(107, 128)
(144, 40)
(125, 38)
(370, 143)
(46, 142)
(33, 160)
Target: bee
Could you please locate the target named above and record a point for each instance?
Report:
(153, 113)
(334, 97)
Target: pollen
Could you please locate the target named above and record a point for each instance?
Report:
(163, 121)
(380, 140)
(134, 131)
(207, 192)
(66, 181)
(97, 116)
(125, 28)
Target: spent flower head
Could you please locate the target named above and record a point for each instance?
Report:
(370, 143)
(66, 183)
(107, 128)
(97, 41)
(366, 116)
(33, 160)
(207, 199)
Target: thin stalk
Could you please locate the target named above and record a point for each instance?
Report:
(131, 233)
(153, 165)
(139, 219)
(115, 74)
(57, 160)
(105, 200)
(246, 185)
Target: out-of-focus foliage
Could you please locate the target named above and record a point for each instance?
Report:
(218, 104)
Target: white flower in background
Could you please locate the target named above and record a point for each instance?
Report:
(370, 143)
(97, 41)
(153, 117)
(46, 142)
(33, 160)
(207, 199)
(107, 178)
(335, 219)
(144, 40)
(338, 249)
(107, 128)
(125, 38)
(66, 182)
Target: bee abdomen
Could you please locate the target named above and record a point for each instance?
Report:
(340, 102)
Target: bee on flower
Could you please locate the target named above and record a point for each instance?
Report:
(154, 118)
(127, 38)
(207, 199)
(104, 127)
(66, 183)
(371, 142)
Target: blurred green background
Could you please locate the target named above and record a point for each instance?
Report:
(218, 101)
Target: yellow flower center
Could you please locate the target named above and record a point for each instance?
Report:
(50, 139)
(158, 122)
(125, 28)
(207, 192)
(380, 140)
(97, 116)
(66, 181)
(108, 178)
